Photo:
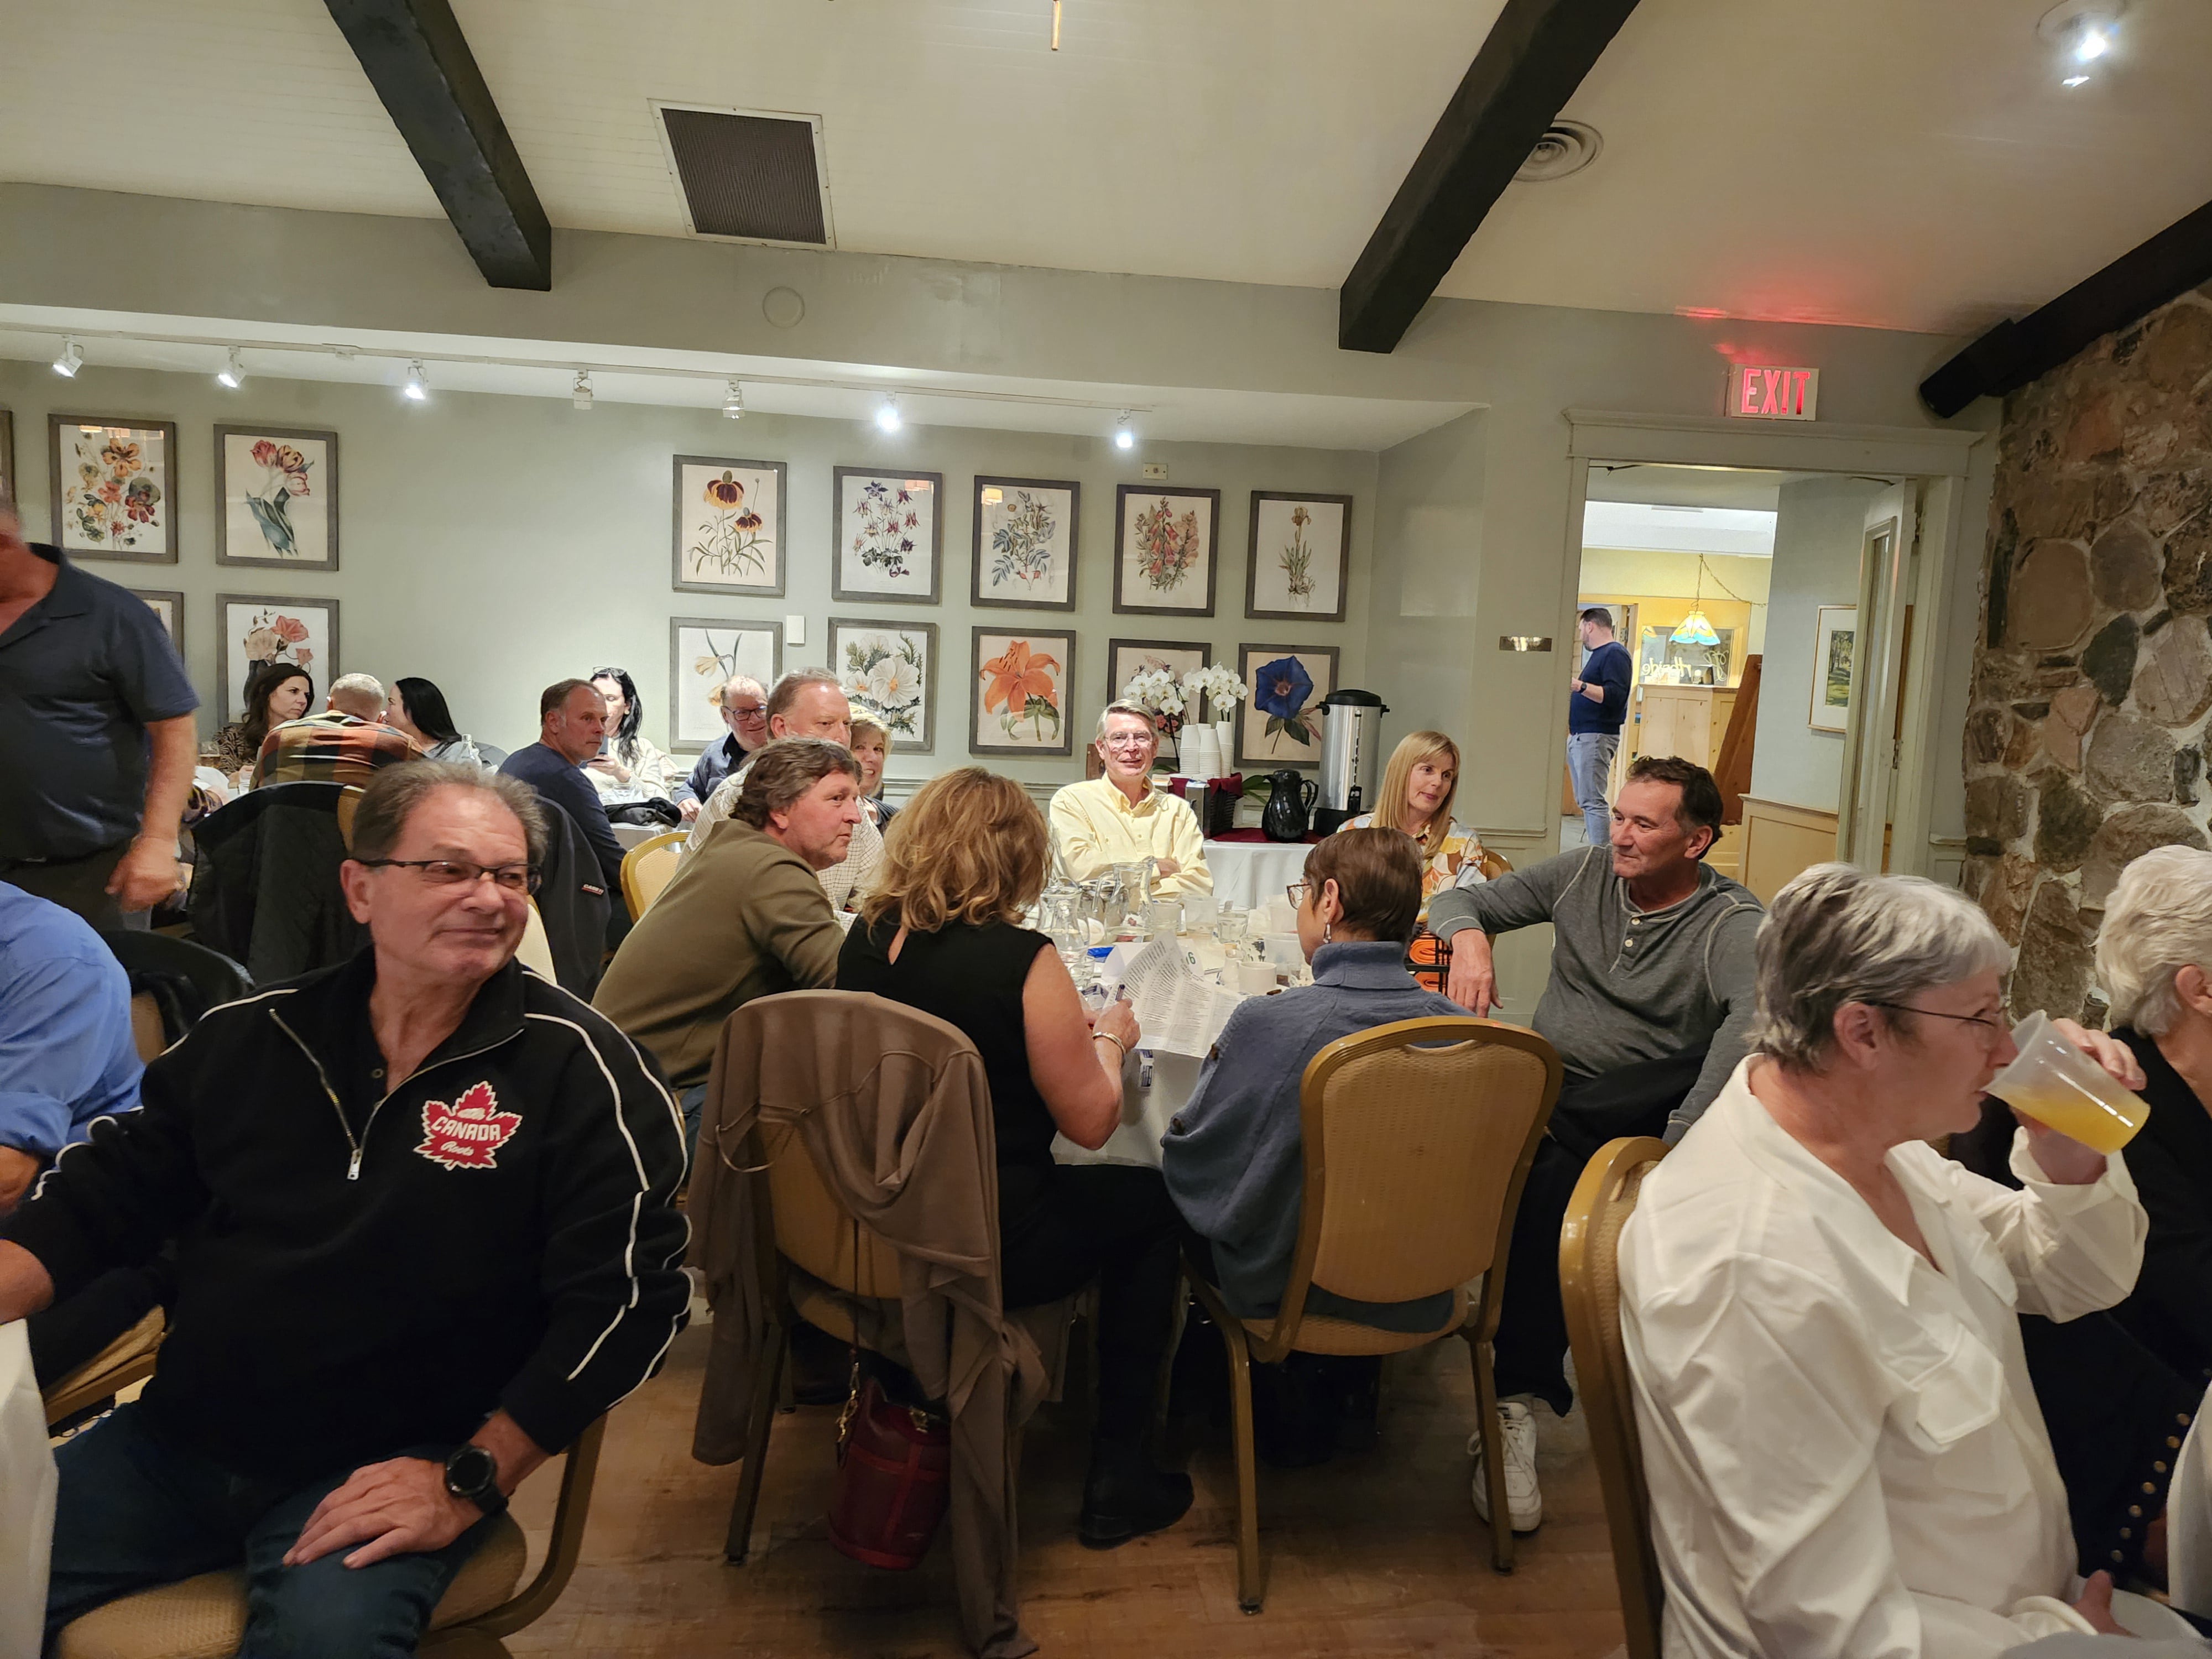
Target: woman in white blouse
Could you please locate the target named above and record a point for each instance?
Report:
(1843, 1446)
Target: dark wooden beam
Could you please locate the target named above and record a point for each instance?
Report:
(1536, 55)
(2009, 356)
(423, 70)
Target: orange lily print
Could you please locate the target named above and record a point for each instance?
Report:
(1022, 684)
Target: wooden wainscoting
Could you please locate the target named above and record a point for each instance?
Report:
(1779, 840)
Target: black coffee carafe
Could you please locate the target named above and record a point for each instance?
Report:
(1284, 818)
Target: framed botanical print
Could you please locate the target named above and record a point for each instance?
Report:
(8, 487)
(888, 672)
(1125, 659)
(1300, 547)
(114, 487)
(277, 494)
(169, 606)
(1279, 723)
(1025, 544)
(728, 527)
(704, 654)
(1017, 691)
(887, 527)
(256, 631)
(1164, 550)
(1835, 645)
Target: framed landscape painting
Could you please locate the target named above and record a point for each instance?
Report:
(1835, 642)
(728, 527)
(1300, 547)
(1017, 691)
(704, 654)
(888, 528)
(277, 494)
(255, 631)
(1128, 658)
(1279, 723)
(114, 487)
(1024, 543)
(1165, 560)
(888, 670)
(170, 608)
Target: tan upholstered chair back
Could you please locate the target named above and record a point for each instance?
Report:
(535, 952)
(647, 867)
(816, 1232)
(1417, 1135)
(147, 1034)
(1589, 1283)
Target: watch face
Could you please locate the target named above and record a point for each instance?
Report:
(470, 1470)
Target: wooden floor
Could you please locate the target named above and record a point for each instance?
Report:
(1376, 1554)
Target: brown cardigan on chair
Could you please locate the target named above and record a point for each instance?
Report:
(892, 1105)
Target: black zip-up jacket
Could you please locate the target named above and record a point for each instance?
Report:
(362, 1269)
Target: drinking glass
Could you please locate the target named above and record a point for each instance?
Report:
(1230, 926)
(2056, 1083)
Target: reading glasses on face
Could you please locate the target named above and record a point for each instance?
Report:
(450, 872)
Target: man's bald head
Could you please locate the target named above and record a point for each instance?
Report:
(360, 695)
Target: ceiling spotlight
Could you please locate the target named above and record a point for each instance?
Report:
(2092, 44)
(416, 389)
(581, 395)
(2080, 31)
(70, 360)
(1124, 438)
(887, 414)
(233, 373)
(733, 404)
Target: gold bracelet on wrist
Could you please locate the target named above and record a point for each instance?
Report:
(1108, 1037)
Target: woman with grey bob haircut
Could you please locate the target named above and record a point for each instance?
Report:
(1821, 1312)
(2158, 922)
(1836, 935)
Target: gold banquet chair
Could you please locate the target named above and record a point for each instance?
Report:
(205, 1617)
(1417, 1138)
(648, 867)
(1589, 1285)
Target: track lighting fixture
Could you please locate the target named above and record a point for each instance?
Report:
(417, 389)
(733, 404)
(70, 360)
(887, 414)
(580, 394)
(233, 372)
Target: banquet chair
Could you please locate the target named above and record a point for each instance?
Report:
(128, 1359)
(1428, 958)
(1589, 1285)
(1417, 1137)
(205, 1617)
(647, 868)
(535, 952)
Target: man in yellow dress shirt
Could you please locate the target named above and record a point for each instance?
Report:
(1121, 818)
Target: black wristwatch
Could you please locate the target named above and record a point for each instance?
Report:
(472, 1472)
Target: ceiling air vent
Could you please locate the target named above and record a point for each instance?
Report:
(748, 175)
(1566, 147)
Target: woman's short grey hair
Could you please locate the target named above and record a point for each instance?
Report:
(785, 769)
(1120, 706)
(1837, 934)
(2158, 922)
(395, 792)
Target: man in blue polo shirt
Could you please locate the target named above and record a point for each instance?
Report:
(96, 736)
(1598, 705)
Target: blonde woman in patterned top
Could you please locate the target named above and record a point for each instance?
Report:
(1416, 796)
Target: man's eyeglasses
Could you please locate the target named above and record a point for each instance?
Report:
(1991, 1029)
(450, 873)
(749, 712)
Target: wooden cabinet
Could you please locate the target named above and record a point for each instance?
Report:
(1689, 720)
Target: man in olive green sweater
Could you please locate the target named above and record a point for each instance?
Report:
(744, 917)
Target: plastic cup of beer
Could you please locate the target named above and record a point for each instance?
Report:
(2063, 1089)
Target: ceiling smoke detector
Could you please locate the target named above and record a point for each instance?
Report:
(1567, 147)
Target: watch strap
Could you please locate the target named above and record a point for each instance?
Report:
(472, 1475)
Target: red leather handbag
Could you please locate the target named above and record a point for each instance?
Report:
(894, 1473)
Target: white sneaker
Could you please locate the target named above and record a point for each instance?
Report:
(1524, 1503)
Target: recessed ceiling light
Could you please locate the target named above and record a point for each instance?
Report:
(2082, 32)
(1567, 147)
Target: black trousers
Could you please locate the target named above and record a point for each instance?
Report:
(1062, 1226)
(1531, 1346)
(79, 885)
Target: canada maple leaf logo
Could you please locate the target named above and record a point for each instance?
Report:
(467, 1135)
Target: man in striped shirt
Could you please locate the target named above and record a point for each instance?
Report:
(347, 742)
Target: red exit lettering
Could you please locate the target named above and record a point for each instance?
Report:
(1758, 392)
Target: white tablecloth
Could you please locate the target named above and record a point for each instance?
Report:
(1145, 1112)
(27, 1498)
(1250, 872)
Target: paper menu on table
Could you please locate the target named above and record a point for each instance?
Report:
(1177, 1012)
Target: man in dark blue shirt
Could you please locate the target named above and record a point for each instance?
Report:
(1595, 712)
(572, 724)
(96, 736)
(744, 711)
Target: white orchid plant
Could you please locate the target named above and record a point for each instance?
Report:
(1219, 681)
(1156, 689)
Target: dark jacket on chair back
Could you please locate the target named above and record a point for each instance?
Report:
(266, 889)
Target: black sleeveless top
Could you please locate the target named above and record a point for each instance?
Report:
(970, 977)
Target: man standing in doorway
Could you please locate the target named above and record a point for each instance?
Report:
(1598, 706)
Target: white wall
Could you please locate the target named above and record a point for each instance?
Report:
(1817, 528)
(493, 545)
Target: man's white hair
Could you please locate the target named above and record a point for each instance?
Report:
(359, 695)
(1118, 706)
(2158, 922)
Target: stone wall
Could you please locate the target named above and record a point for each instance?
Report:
(2093, 672)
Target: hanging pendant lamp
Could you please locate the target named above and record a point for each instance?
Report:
(1696, 629)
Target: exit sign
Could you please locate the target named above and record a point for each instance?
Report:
(1760, 393)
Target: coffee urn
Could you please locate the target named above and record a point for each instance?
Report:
(1351, 757)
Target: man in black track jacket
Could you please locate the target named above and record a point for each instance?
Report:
(422, 1210)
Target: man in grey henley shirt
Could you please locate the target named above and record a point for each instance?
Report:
(1650, 998)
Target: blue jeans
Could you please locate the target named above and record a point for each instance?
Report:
(136, 1510)
(1590, 763)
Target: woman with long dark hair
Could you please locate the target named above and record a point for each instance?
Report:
(630, 768)
(418, 708)
(279, 692)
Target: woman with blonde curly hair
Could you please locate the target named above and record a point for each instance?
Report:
(941, 931)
